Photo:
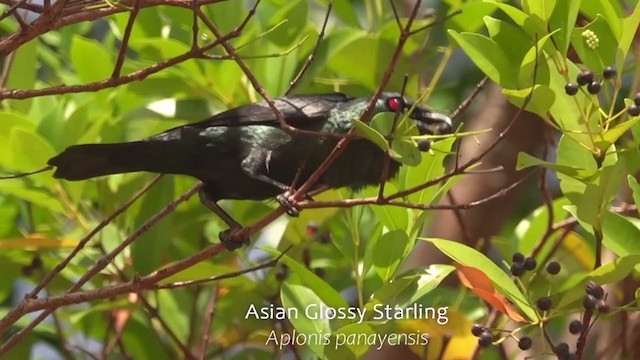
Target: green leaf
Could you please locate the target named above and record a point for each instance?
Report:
(371, 134)
(326, 293)
(629, 29)
(431, 166)
(365, 70)
(467, 256)
(8, 121)
(620, 235)
(302, 298)
(390, 250)
(613, 272)
(518, 16)
(148, 251)
(470, 20)
(539, 8)
(605, 10)
(592, 196)
(24, 67)
(29, 152)
(564, 18)
(603, 55)
(513, 40)
(534, 62)
(525, 161)
(90, 60)
(613, 134)
(160, 49)
(37, 197)
(531, 229)
(342, 347)
(411, 286)
(567, 110)
(488, 56)
(286, 23)
(393, 217)
(541, 100)
(635, 189)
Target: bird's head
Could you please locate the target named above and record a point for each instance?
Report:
(428, 122)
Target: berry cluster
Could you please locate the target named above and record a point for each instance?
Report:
(520, 264)
(591, 39)
(485, 338)
(587, 77)
(595, 298)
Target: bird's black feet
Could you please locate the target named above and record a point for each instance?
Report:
(291, 209)
(234, 238)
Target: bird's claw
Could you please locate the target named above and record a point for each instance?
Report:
(288, 205)
(234, 238)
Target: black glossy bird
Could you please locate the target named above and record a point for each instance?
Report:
(243, 153)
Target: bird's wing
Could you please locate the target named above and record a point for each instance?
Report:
(301, 111)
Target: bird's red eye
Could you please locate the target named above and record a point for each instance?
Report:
(395, 104)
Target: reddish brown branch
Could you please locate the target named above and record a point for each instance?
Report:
(19, 311)
(125, 40)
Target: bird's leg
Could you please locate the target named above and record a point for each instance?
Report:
(252, 166)
(232, 238)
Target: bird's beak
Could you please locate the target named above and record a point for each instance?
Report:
(431, 123)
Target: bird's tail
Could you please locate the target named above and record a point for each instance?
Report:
(81, 162)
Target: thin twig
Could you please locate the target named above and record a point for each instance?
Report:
(467, 102)
(376, 201)
(125, 39)
(134, 76)
(16, 176)
(155, 314)
(17, 312)
(344, 142)
(311, 57)
(206, 325)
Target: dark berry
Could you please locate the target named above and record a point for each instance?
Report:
(485, 339)
(525, 343)
(594, 87)
(553, 267)
(589, 302)
(424, 145)
(517, 269)
(544, 303)
(530, 263)
(476, 330)
(517, 257)
(609, 72)
(603, 307)
(561, 349)
(585, 77)
(575, 327)
(594, 289)
(636, 99)
(320, 272)
(633, 110)
(571, 89)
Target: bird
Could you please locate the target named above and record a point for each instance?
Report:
(245, 153)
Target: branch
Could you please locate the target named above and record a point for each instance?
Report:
(17, 312)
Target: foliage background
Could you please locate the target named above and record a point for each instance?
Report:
(355, 255)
